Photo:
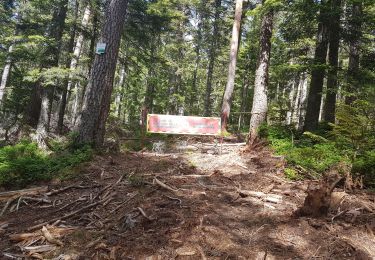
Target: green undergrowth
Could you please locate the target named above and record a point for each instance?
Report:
(351, 141)
(24, 163)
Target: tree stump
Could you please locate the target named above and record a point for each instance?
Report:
(318, 200)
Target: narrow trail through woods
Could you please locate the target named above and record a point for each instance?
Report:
(191, 205)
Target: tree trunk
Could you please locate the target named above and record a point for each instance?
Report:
(119, 94)
(318, 72)
(333, 57)
(260, 104)
(212, 57)
(5, 75)
(245, 90)
(91, 122)
(150, 89)
(292, 98)
(355, 24)
(52, 60)
(72, 66)
(227, 100)
(296, 102)
(302, 100)
(194, 89)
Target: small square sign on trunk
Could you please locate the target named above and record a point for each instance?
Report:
(100, 48)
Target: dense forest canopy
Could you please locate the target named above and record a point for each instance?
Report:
(306, 65)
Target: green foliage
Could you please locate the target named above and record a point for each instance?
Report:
(364, 165)
(351, 141)
(292, 174)
(319, 157)
(309, 151)
(25, 163)
(356, 126)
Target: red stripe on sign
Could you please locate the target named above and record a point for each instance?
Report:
(192, 125)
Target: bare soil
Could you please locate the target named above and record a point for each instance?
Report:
(198, 214)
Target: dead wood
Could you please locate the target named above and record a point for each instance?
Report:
(163, 185)
(50, 238)
(190, 176)
(37, 199)
(54, 192)
(71, 214)
(144, 213)
(6, 206)
(274, 198)
(39, 249)
(26, 192)
(318, 200)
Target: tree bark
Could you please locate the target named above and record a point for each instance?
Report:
(302, 100)
(227, 100)
(292, 99)
(120, 90)
(212, 57)
(245, 90)
(91, 122)
(333, 60)
(5, 75)
(150, 89)
(296, 102)
(318, 72)
(355, 24)
(260, 104)
(194, 108)
(73, 66)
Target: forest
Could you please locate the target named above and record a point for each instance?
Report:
(292, 83)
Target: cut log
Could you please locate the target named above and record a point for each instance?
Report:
(274, 198)
(26, 192)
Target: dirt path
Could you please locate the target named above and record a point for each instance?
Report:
(183, 206)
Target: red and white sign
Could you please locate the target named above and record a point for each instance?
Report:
(190, 125)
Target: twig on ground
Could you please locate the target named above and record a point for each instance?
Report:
(50, 238)
(6, 206)
(144, 213)
(15, 194)
(71, 214)
(163, 185)
(54, 192)
(122, 204)
(179, 201)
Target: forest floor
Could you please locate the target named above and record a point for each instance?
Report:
(190, 205)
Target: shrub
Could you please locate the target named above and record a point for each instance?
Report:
(319, 157)
(24, 163)
(365, 165)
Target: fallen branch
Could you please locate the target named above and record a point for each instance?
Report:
(163, 185)
(190, 176)
(50, 238)
(71, 214)
(274, 198)
(54, 192)
(26, 192)
(6, 206)
(144, 213)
